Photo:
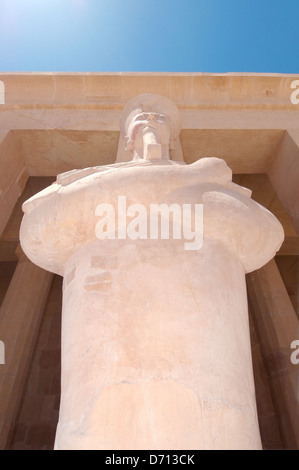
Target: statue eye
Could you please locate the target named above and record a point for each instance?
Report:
(141, 117)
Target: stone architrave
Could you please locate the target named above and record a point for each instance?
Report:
(155, 337)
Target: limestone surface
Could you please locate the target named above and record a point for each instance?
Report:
(155, 337)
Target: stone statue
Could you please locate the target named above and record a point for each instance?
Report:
(155, 339)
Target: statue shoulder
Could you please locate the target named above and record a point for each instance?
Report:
(69, 177)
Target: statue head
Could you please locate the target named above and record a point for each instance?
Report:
(150, 126)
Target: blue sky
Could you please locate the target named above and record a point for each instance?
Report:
(214, 36)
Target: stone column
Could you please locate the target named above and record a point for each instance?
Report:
(284, 174)
(155, 337)
(13, 177)
(277, 327)
(20, 316)
(156, 357)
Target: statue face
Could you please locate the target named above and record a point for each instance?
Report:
(144, 123)
(150, 118)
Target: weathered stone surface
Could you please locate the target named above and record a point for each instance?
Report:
(41, 398)
(155, 342)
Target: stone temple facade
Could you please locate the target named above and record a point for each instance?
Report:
(145, 343)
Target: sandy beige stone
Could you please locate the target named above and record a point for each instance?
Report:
(277, 326)
(284, 174)
(20, 316)
(155, 338)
